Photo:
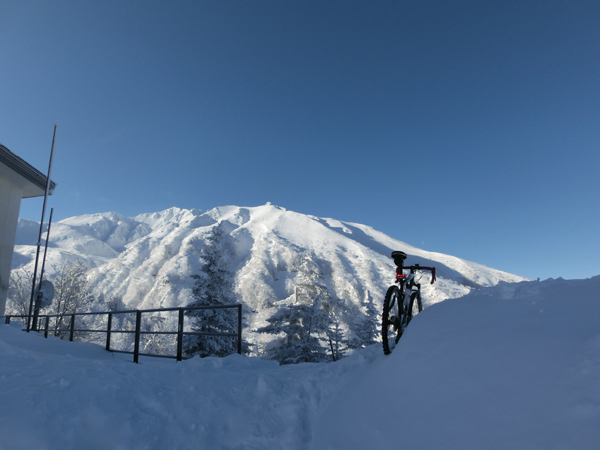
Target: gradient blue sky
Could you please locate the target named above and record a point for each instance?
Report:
(470, 128)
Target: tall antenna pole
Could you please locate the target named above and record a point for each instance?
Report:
(37, 302)
(39, 244)
(46, 247)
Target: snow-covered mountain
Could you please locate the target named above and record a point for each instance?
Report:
(147, 261)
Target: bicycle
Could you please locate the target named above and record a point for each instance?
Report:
(396, 312)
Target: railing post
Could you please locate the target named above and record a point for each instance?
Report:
(46, 327)
(136, 348)
(239, 329)
(108, 329)
(36, 314)
(7, 320)
(180, 336)
(72, 327)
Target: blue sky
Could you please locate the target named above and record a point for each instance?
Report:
(468, 128)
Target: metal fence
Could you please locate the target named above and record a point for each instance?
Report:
(70, 328)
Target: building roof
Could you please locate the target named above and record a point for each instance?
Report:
(23, 174)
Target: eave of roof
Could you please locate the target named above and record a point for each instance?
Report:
(24, 174)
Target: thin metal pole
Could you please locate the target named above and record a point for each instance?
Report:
(180, 336)
(108, 330)
(46, 247)
(72, 327)
(37, 255)
(239, 349)
(38, 299)
(136, 348)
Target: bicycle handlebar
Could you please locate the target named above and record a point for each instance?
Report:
(418, 267)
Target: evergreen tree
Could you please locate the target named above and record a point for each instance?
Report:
(305, 327)
(335, 335)
(308, 328)
(213, 287)
(366, 329)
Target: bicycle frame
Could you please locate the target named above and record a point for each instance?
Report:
(400, 275)
(406, 281)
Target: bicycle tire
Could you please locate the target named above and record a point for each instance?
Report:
(391, 319)
(415, 306)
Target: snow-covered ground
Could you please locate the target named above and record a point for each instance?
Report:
(514, 366)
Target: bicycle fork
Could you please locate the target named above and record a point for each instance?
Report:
(401, 320)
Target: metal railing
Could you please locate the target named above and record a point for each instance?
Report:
(138, 332)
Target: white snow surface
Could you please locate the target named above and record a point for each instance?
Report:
(147, 261)
(516, 365)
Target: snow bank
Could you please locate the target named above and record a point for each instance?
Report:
(511, 366)
(63, 395)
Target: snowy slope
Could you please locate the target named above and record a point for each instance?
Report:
(147, 261)
(510, 366)
(514, 366)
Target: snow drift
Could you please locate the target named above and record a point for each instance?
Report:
(509, 366)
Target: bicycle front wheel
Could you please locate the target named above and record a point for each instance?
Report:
(391, 319)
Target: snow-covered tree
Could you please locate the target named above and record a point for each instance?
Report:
(71, 291)
(111, 303)
(213, 287)
(305, 327)
(335, 334)
(157, 343)
(19, 292)
(123, 321)
(366, 328)
(309, 326)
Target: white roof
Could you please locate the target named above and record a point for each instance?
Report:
(23, 174)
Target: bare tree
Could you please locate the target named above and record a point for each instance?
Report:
(19, 292)
(71, 290)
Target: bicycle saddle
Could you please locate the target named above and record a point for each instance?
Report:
(399, 258)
